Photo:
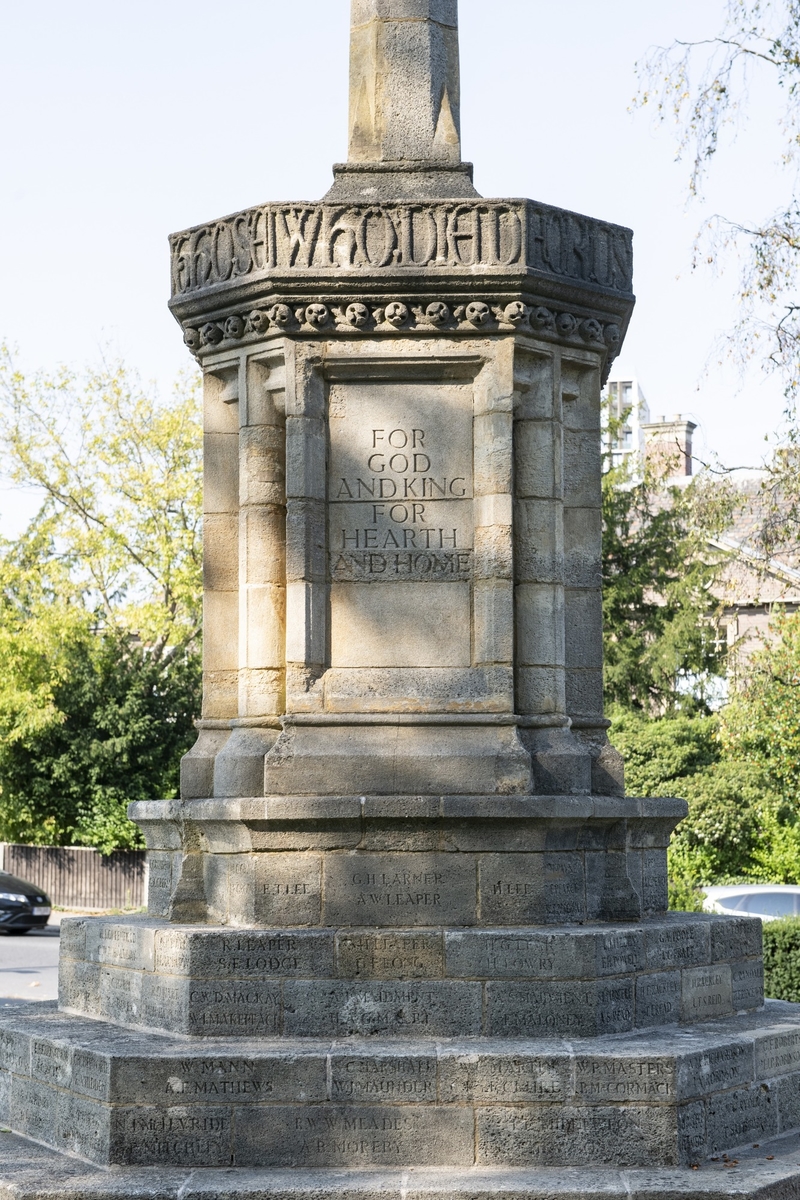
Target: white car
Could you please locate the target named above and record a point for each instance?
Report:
(769, 901)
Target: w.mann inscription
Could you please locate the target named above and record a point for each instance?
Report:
(400, 484)
(406, 237)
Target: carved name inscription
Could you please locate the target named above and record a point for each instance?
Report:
(223, 1076)
(354, 1135)
(400, 483)
(281, 238)
(517, 1078)
(15, 1052)
(408, 889)
(552, 1134)
(235, 1007)
(176, 1136)
(624, 1079)
(390, 955)
(50, 1062)
(392, 1079)
(658, 998)
(681, 946)
(255, 955)
(778, 1053)
(287, 889)
(736, 1117)
(90, 1074)
(707, 991)
(747, 980)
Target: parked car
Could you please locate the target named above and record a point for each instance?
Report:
(769, 901)
(23, 906)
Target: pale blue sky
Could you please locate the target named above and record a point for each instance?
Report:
(124, 122)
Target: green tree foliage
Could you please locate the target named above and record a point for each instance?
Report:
(684, 756)
(761, 730)
(99, 602)
(782, 959)
(739, 770)
(661, 647)
(704, 87)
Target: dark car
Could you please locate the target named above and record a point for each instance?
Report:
(23, 906)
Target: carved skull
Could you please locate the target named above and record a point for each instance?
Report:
(396, 313)
(613, 337)
(478, 312)
(437, 313)
(280, 314)
(258, 320)
(234, 327)
(566, 324)
(191, 338)
(357, 314)
(542, 318)
(516, 312)
(211, 334)
(316, 314)
(592, 330)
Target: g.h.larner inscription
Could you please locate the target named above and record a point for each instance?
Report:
(283, 238)
(400, 483)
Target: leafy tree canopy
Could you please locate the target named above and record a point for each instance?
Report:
(99, 601)
(704, 87)
(661, 648)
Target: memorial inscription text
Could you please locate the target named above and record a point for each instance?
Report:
(400, 484)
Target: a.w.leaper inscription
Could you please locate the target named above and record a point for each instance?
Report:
(409, 237)
(400, 521)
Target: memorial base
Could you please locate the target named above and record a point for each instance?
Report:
(670, 1097)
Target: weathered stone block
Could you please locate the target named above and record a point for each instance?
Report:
(777, 1052)
(716, 1068)
(354, 1136)
(223, 1076)
(33, 1109)
(788, 1101)
(747, 984)
(413, 889)
(558, 1135)
(364, 954)
(171, 1136)
(735, 937)
(564, 1009)
(658, 998)
(683, 943)
(616, 1079)
(519, 889)
(319, 1008)
(741, 1117)
(392, 1078)
(503, 1077)
(706, 993)
(83, 1128)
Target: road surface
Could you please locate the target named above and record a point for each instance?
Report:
(29, 966)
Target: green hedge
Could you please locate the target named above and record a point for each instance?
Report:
(782, 959)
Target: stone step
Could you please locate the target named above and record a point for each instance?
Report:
(32, 1172)
(666, 1097)
(531, 981)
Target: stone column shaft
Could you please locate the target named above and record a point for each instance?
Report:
(539, 592)
(262, 530)
(220, 544)
(404, 81)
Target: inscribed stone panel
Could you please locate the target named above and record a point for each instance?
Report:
(400, 518)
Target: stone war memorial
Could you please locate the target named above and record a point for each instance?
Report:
(407, 937)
